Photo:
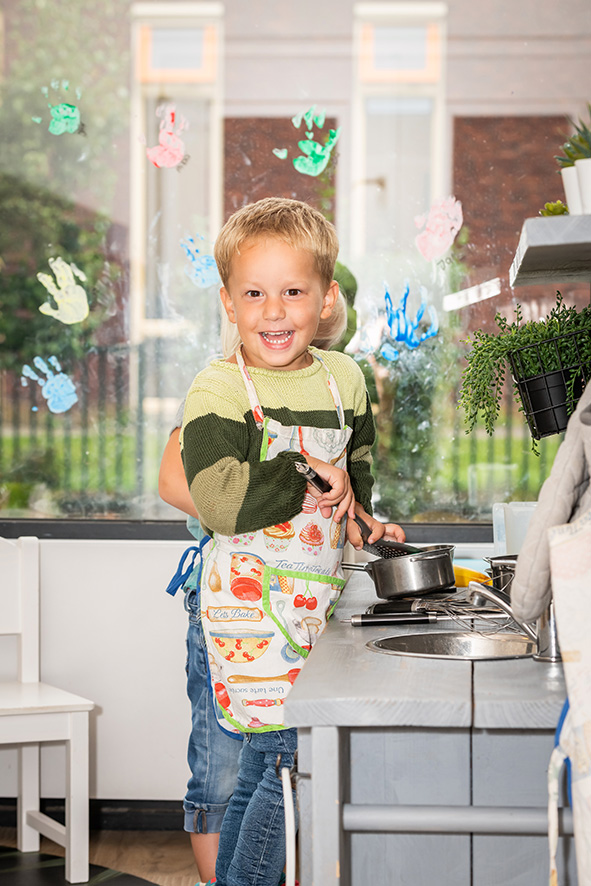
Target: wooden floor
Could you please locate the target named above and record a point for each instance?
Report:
(161, 857)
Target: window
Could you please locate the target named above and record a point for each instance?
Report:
(425, 130)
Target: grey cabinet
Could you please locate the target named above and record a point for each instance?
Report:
(404, 763)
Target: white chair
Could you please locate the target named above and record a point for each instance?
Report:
(32, 712)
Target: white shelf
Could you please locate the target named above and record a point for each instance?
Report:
(553, 249)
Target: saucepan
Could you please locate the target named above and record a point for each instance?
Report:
(400, 570)
(410, 575)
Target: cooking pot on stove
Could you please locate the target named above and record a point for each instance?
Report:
(412, 574)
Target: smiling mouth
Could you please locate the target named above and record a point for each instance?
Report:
(277, 338)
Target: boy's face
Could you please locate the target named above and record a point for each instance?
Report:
(276, 298)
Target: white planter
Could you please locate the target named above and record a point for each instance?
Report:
(583, 168)
(570, 183)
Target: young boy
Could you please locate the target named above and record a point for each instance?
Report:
(273, 575)
(212, 754)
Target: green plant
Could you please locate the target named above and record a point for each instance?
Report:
(578, 147)
(556, 208)
(484, 377)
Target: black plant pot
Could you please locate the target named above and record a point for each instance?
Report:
(545, 402)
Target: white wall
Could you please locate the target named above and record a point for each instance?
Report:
(109, 632)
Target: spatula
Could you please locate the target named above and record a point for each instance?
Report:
(385, 549)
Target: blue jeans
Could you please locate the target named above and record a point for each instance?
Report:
(212, 754)
(252, 840)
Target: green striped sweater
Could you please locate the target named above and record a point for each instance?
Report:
(232, 489)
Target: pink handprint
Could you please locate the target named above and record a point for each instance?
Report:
(170, 150)
(440, 228)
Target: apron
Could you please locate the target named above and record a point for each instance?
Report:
(266, 595)
(188, 578)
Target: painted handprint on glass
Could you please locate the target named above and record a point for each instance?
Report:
(378, 336)
(68, 302)
(315, 154)
(201, 268)
(56, 387)
(65, 116)
(170, 150)
(440, 228)
(405, 329)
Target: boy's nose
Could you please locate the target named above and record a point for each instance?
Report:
(274, 308)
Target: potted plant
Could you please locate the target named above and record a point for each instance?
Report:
(550, 364)
(575, 168)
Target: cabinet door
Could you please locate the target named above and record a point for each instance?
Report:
(410, 766)
(510, 769)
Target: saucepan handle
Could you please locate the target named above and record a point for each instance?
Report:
(357, 567)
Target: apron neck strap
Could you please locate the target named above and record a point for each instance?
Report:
(254, 400)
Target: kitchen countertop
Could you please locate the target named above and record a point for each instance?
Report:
(346, 684)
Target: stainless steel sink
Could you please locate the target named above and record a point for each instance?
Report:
(461, 645)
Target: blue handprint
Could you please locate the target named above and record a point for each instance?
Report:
(202, 269)
(403, 328)
(58, 390)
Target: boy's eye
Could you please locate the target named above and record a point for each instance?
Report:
(254, 293)
(293, 291)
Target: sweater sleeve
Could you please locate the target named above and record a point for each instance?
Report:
(359, 416)
(360, 460)
(233, 494)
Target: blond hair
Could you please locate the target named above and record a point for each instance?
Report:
(301, 227)
(296, 223)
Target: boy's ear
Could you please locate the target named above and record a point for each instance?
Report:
(330, 300)
(227, 303)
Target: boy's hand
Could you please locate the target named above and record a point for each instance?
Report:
(388, 531)
(341, 494)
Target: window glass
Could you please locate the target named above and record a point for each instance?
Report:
(129, 132)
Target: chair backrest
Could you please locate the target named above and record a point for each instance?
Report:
(19, 601)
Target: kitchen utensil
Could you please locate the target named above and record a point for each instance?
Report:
(412, 575)
(442, 601)
(312, 477)
(422, 617)
(383, 547)
(404, 604)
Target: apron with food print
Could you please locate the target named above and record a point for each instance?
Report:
(266, 595)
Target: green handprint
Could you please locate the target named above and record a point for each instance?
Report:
(316, 156)
(65, 117)
(70, 298)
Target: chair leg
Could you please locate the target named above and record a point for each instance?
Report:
(28, 796)
(77, 870)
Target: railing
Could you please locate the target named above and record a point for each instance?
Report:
(101, 456)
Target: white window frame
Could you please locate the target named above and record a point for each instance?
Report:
(393, 14)
(174, 15)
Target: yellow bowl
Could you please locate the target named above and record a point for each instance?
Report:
(240, 647)
(464, 576)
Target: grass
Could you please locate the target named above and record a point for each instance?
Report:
(115, 469)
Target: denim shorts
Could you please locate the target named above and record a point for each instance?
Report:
(212, 754)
